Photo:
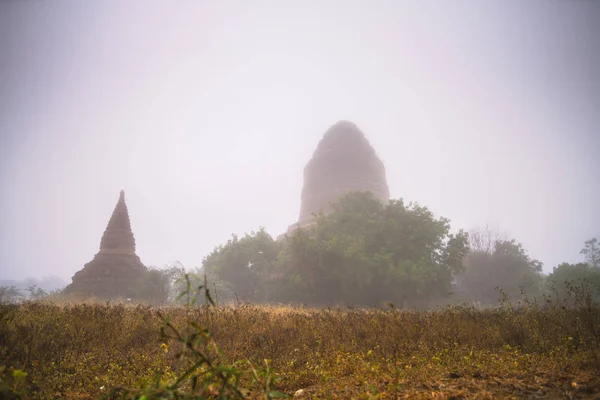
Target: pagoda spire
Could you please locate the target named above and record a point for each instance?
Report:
(115, 269)
(118, 237)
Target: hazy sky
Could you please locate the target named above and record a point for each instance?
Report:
(205, 113)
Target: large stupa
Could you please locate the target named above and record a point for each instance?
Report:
(343, 162)
(116, 268)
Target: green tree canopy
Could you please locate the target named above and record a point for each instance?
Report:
(367, 253)
(569, 281)
(244, 265)
(158, 285)
(496, 262)
(573, 282)
(591, 252)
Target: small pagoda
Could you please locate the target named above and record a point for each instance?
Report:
(116, 268)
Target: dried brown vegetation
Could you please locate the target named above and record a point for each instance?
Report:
(83, 351)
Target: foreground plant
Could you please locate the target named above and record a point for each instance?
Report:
(207, 374)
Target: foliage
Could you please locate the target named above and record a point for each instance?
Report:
(564, 281)
(367, 253)
(205, 372)
(242, 266)
(9, 294)
(158, 286)
(564, 278)
(362, 253)
(36, 293)
(591, 251)
(495, 267)
(84, 351)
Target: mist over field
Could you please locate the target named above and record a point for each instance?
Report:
(319, 199)
(206, 113)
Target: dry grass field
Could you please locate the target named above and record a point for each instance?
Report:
(90, 351)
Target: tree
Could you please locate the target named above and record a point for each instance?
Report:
(9, 294)
(591, 251)
(568, 282)
(367, 253)
(243, 266)
(36, 293)
(484, 239)
(158, 286)
(504, 265)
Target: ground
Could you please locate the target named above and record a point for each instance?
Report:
(84, 351)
